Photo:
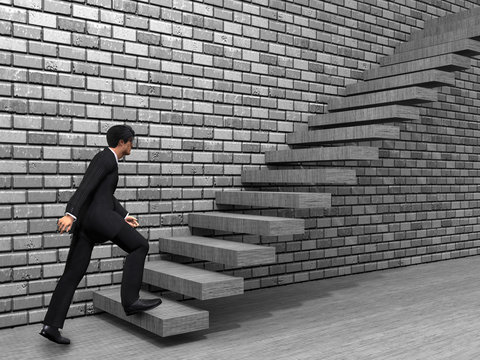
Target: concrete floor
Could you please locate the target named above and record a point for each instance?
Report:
(429, 311)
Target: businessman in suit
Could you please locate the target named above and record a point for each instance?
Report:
(94, 215)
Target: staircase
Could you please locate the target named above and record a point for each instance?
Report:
(387, 94)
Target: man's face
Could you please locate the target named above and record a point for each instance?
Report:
(128, 147)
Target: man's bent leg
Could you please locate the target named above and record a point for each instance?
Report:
(131, 241)
(77, 263)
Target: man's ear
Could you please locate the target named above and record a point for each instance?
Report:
(121, 142)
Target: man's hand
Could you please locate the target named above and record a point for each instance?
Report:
(65, 224)
(131, 221)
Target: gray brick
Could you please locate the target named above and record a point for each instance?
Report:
(13, 106)
(28, 302)
(74, 81)
(58, 124)
(58, 65)
(125, 6)
(58, 181)
(86, 69)
(42, 286)
(39, 167)
(41, 48)
(42, 226)
(42, 107)
(56, 240)
(112, 17)
(27, 152)
(27, 122)
(27, 273)
(112, 45)
(40, 77)
(27, 242)
(71, 110)
(27, 32)
(86, 41)
(58, 7)
(13, 319)
(85, 12)
(13, 14)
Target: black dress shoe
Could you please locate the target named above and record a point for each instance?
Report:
(142, 305)
(52, 334)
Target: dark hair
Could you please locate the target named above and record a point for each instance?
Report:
(119, 132)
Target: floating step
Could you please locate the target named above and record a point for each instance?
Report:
(247, 224)
(367, 115)
(468, 29)
(191, 281)
(446, 62)
(337, 153)
(231, 253)
(410, 95)
(467, 47)
(170, 318)
(343, 134)
(448, 23)
(324, 176)
(429, 78)
(274, 199)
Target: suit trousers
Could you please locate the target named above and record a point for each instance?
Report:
(129, 240)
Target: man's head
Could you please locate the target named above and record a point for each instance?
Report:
(121, 136)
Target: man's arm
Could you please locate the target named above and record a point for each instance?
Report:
(119, 208)
(132, 221)
(98, 168)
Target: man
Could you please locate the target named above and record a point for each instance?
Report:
(95, 216)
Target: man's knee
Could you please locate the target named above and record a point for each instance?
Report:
(144, 246)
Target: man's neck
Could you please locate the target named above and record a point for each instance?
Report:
(118, 152)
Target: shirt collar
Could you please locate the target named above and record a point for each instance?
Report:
(116, 157)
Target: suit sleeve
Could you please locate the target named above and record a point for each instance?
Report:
(97, 170)
(119, 208)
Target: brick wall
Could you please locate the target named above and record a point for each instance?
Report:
(209, 87)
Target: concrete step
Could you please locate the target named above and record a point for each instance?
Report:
(428, 78)
(170, 318)
(343, 134)
(191, 281)
(247, 224)
(470, 28)
(314, 154)
(324, 176)
(410, 95)
(294, 200)
(445, 62)
(367, 115)
(447, 23)
(466, 47)
(220, 251)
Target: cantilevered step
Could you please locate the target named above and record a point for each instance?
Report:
(367, 115)
(292, 200)
(448, 23)
(231, 253)
(470, 28)
(323, 176)
(191, 281)
(429, 78)
(467, 47)
(410, 95)
(314, 154)
(343, 134)
(170, 318)
(247, 224)
(446, 62)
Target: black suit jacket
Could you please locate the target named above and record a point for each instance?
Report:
(98, 212)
